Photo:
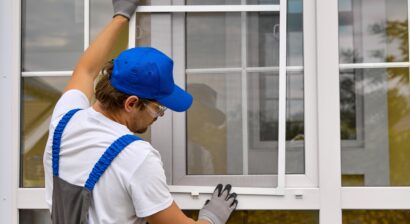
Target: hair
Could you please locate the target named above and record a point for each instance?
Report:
(111, 99)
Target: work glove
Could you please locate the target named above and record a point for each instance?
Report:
(124, 7)
(219, 208)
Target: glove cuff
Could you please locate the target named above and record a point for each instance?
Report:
(209, 216)
(121, 14)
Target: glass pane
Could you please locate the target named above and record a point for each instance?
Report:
(294, 33)
(373, 31)
(348, 104)
(213, 40)
(263, 39)
(214, 124)
(271, 217)
(375, 127)
(52, 34)
(100, 15)
(39, 96)
(34, 216)
(376, 216)
(263, 123)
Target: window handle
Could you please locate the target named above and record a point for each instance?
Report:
(139, 32)
(276, 31)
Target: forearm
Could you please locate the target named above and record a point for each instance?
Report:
(96, 55)
(94, 58)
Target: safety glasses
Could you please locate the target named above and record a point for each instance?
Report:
(158, 111)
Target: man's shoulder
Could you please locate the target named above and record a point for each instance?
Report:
(140, 149)
(72, 99)
(142, 145)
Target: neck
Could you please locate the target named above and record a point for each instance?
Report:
(112, 116)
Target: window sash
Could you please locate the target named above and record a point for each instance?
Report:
(175, 124)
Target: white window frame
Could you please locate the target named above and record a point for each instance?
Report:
(304, 196)
(177, 122)
(321, 61)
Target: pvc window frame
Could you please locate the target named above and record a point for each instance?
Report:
(176, 124)
(298, 186)
(330, 198)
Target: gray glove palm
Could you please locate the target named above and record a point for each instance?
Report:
(124, 7)
(219, 208)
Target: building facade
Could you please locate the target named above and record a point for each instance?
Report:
(302, 105)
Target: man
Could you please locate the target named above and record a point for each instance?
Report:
(96, 170)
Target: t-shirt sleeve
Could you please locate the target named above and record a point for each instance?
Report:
(148, 188)
(71, 99)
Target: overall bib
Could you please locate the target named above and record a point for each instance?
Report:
(71, 202)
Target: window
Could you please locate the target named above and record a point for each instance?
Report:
(235, 57)
(230, 62)
(374, 97)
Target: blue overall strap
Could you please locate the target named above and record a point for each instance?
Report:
(58, 132)
(106, 159)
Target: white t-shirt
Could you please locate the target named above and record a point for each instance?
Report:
(134, 185)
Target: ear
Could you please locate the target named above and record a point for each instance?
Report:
(130, 102)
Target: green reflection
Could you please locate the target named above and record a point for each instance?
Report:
(271, 217)
(38, 100)
(374, 96)
(376, 217)
(34, 216)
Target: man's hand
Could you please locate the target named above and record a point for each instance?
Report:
(219, 208)
(124, 7)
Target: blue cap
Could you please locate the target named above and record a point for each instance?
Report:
(148, 73)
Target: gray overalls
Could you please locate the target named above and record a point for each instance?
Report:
(71, 202)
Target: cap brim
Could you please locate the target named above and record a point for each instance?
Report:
(178, 101)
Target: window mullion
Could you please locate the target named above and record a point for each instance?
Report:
(86, 24)
(282, 97)
(209, 8)
(245, 141)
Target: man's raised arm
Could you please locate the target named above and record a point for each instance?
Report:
(94, 58)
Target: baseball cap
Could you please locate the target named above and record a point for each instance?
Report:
(148, 73)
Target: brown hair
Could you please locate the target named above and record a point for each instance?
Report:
(111, 99)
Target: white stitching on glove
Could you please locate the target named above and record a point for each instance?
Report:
(220, 207)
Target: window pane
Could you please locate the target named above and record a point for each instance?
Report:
(373, 31)
(215, 143)
(271, 217)
(350, 101)
(263, 122)
(376, 216)
(214, 124)
(294, 33)
(34, 216)
(100, 15)
(263, 39)
(375, 127)
(52, 34)
(39, 96)
(213, 40)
